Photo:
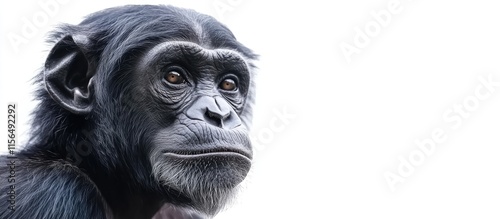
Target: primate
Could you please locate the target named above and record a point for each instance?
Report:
(139, 106)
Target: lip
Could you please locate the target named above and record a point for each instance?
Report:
(209, 152)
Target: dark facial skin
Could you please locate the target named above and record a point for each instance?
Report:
(205, 152)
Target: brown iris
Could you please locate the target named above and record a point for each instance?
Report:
(228, 84)
(174, 77)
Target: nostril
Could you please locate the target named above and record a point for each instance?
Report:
(213, 119)
(219, 116)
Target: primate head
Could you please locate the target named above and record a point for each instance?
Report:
(160, 96)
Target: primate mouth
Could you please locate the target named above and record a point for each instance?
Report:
(209, 152)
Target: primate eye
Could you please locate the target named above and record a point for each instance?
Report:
(174, 77)
(228, 84)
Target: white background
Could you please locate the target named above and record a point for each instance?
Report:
(352, 121)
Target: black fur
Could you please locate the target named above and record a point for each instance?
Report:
(96, 165)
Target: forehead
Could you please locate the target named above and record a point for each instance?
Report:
(193, 51)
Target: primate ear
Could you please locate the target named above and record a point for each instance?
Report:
(68, 75)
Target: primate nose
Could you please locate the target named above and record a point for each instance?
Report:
(215, 111)
(219, 110)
